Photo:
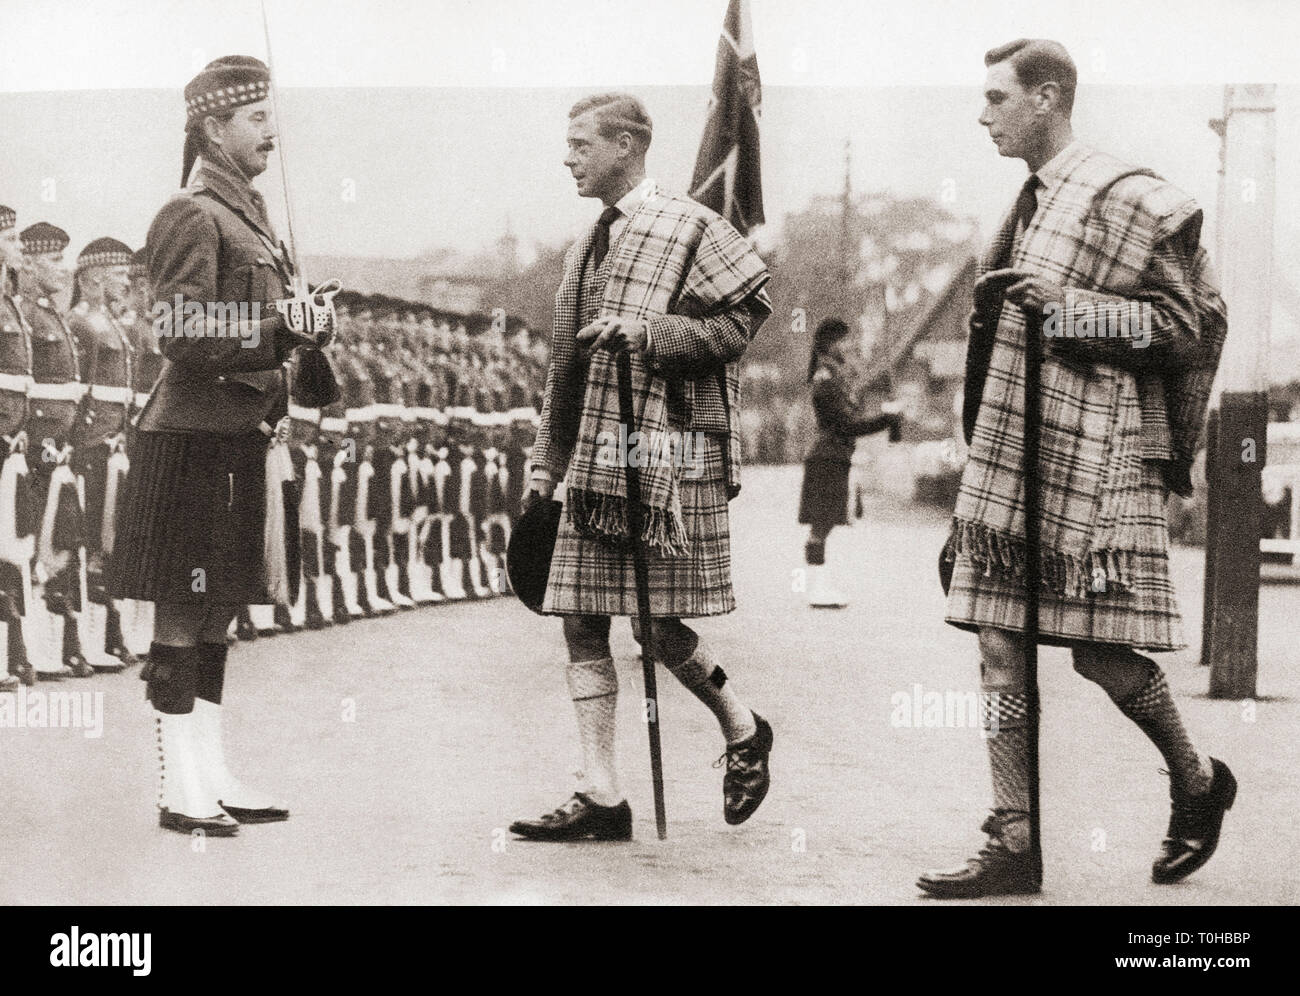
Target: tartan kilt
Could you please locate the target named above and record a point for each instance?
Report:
(1145, 618)
(192, 500)
(589, 576)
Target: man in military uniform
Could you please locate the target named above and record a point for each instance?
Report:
(426, 581)
(339, 459)
(16, 540)
(192, 540)
(99, 454)
(54, 408)
(367, 442)
(146, 367)
(387, 452)
(315, 606)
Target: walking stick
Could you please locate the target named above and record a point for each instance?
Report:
(1033, 430)
(642, 572)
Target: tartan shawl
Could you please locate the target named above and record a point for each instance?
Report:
(1096, 230)
(674, 256)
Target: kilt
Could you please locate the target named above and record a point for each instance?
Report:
(824, 498)
(193, 500)
(590, 576)
(1145, 617)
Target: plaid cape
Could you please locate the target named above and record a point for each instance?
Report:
(674, 256)
(1104, 228)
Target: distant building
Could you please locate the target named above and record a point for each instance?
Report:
(925, 364)
(442, 278)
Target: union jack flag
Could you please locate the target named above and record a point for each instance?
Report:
(728, 177)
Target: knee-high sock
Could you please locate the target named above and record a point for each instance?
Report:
(704, 679)
(1005, 717)
(1152, 709)
(593, 686)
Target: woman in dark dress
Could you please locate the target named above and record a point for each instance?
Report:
(824, 500)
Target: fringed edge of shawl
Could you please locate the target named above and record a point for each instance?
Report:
(1070, 575)
(596, 514)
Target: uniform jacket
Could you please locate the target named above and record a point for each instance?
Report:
(106, 370)
(15, 363)
(211, 243)
(55, 395)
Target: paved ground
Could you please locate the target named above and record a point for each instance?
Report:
(406, 745)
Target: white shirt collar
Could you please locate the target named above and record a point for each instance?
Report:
(627, 204)
(1052, 170)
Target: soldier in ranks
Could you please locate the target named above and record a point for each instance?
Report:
(146, 366)
(470, 504)
(443, 365)
(385, 454)
(334, 458)
(16, 528)
(478, 487)
(360, 393)
(453, 539)
(426, 578)
(55, 397)
(99, 456)
(519, 440)
(315, 604)
(437, 542)
(338, 459)
(405, 491)
(426, 583)
(406, 571)
(496, 525)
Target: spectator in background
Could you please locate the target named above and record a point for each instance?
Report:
(824, 500)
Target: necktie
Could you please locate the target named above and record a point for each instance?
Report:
(1008, 237)
(601, 247)
(1027, 202)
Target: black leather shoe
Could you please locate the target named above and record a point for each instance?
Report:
(23, 671)
(8, 683)
(124, 655)
(579, 819)
(220, 825)
(996, 871)
(271, 814)
(111, 665)
(283, 621)
(745, 784)
(1194, 825)
(79, 667)
(115, 642)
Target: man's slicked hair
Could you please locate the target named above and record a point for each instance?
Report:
(1038, 61)
(615, 113)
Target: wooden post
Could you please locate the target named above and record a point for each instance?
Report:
(1235, 455)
